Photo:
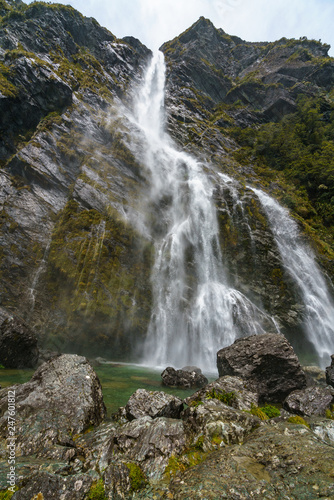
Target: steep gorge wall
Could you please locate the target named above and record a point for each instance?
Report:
(74, 262)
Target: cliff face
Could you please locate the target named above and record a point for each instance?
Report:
(73, 263)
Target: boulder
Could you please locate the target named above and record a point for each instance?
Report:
(324, 428)
(148, 442)
(242, 398)
(42, 486)
(275, 461)
(310, 401)
(213, 424)
(267, 362)
(182, 378)
(192, 369)
(153, 404)
(330, 373)
(63, 398)
(18, 345)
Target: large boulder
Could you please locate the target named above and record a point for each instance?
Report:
(310, 401)
(43, 485)
(18, 345)
(214, 424)
(268, 363)
(330, 373)
(148, 442)
(275, 461)
(240, 397)
(153, 404)
(183, 378)
(63, 398)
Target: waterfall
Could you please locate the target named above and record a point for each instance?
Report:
(195, 311)
(299, 261)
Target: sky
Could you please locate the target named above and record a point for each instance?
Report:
(157, 21)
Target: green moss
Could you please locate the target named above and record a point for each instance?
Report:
(138, 479)
(223, 396)
(270, 410)
(298, 420)
(330, 413)
(97, 491)
(257, 412)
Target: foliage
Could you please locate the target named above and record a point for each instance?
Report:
(270, 410)
(97, 491)
(137, 477)
(257, 412)
(224, 396)
(6, 494)
(298, 420)
(330, 413)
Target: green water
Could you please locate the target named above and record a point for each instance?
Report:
(118, 382)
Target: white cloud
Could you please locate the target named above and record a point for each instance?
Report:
(157, 21)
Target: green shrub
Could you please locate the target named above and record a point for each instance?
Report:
(270, 410)
(97, 491)
(298, 420)
(225, 397)
(137, 477)
(330, 413)
(257, 412)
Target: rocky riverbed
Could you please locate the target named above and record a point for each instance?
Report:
(224, 441)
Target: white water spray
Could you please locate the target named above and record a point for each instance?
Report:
(299, 261)
(195, 312)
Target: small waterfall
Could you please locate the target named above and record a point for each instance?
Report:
(41, 268)
(195, 312)
(299, 261)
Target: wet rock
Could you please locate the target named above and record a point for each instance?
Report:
(18, 345)
(275, 461)
(314, 375)
(330, 372)
(42, 486)
(214, 424)
(63, 398)
(310, 401)
(324, 428)
(117, 481)
(149, 442)
(182, 378)
(195, 369)
(242, 398)
(153, 404)
(267, 362)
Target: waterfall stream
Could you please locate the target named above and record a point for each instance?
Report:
(299, 261)
(195, 311)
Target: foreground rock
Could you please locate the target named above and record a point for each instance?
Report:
(310, 401)
(228, 388)
(153, 404)
(183, 378)
(267, 362)
(272, 463)
(42, 486)
(330, 373)
(63, 398)
(18, 345)
(214, 424)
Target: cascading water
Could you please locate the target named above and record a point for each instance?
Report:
(195, 312)
(299, 261)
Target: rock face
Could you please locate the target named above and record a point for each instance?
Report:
(310, 401)
(182, 378)
(330, 373)
(153, 404)
(18, 345)
(267, 362)
(63, 398)
(72, 260)
(242, 398)
(262, 468)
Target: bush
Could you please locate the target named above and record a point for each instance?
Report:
(270, 410)
(298, 420)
